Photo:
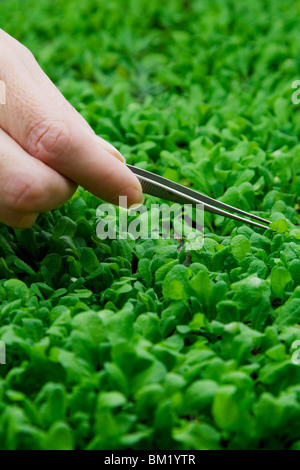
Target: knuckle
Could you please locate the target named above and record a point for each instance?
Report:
(21, 193)
(48, 140)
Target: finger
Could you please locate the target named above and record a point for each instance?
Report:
(58, 139)
(17, 219)
(43, 82)
(39, 76)
(28, 186)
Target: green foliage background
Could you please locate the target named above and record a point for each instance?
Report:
(124, 345)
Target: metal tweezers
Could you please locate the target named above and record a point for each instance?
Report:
(164, 188)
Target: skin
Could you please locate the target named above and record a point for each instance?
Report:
(47, 148)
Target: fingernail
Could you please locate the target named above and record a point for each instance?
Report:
(137, 205)
(131, 198)
(111, 149)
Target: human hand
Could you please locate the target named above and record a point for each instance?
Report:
(47, 148)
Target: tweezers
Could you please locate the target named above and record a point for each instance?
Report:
(164, 188)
